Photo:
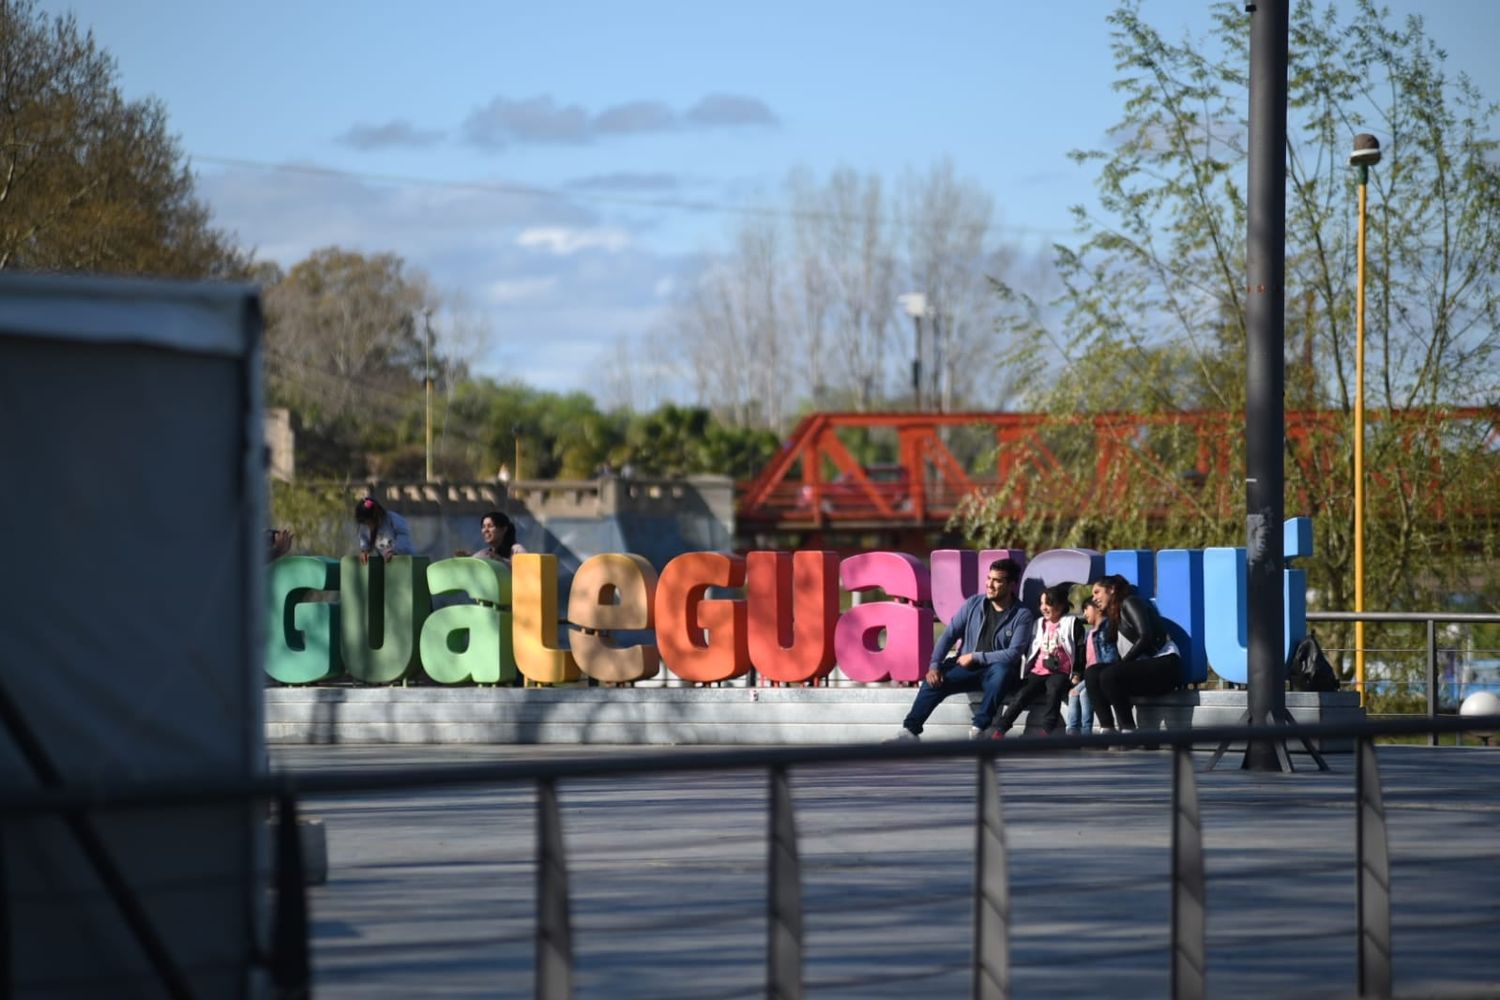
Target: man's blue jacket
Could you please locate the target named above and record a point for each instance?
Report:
(1012, 639)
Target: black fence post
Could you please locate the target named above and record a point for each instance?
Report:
(991, 891)
(554, 931)
(784, 960)
(291, 965)
(1189, 886)
(1374, 887)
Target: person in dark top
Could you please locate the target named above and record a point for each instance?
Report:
(991, 632)
(1149, 663)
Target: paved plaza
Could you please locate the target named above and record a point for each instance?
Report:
(432, 894)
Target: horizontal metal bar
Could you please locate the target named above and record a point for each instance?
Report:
(1414, 617)
(82, 797)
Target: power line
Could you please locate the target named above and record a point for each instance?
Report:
(701, 205)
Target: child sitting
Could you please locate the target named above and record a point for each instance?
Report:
(1056, 649)
(1100, 649)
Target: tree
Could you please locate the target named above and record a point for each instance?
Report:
(1154, 306)
(945, 220)
(88, 180)
(681, 441)
(783, 322)
(346, 351)
(730, 323)
(847, 266)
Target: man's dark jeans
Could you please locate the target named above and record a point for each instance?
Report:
(995, 681)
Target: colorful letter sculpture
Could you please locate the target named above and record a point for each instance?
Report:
(302, 637)
(794, 601)
(704, 641)
(533, 588)
(958, 574)
(1180, 599)
(907, 627)
(787, 624)
(384, 604)
(613, 593)
(469, 642)
(1226, 632)
(1057, 566)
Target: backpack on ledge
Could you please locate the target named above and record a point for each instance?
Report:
(1309, 669)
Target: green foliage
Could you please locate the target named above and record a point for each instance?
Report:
(680, 441)
(347, 352)
(319, 514)
(1153, 309)
(88, 180)
(565, 436)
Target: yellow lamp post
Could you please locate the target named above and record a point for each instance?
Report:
(1366, 154)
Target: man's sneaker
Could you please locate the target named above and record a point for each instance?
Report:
(905, 736)
(975, 732)
(998, 734)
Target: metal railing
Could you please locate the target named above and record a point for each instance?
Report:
(1430, 619)
(290, 967)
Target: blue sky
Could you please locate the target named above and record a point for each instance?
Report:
(616, 109)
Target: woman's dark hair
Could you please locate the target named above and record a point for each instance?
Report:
(507, 530)
(1118, 588)
(1058, 596)
(368, 510)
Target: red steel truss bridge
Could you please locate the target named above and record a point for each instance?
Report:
(816, 492)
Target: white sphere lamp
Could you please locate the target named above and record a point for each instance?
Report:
(1481, 703)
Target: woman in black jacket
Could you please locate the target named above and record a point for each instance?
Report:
(1149, 663)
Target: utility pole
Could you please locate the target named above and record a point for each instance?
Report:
(1265, 381)
(427, 321)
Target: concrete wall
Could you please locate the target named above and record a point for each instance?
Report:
(572, 519)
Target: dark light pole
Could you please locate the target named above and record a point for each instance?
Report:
(1265, 383)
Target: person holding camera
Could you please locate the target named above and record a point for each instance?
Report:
(1055, 656)
(1149, 662)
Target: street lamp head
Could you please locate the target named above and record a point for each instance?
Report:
(915, 304)
(1366, 151)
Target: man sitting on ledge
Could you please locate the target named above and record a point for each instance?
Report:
(995, 630)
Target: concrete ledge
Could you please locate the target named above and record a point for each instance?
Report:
(687, 715)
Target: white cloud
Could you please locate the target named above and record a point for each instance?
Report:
(551, 284)
(519, 290)
(395, 133)
(541, 119)
(563, 241)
